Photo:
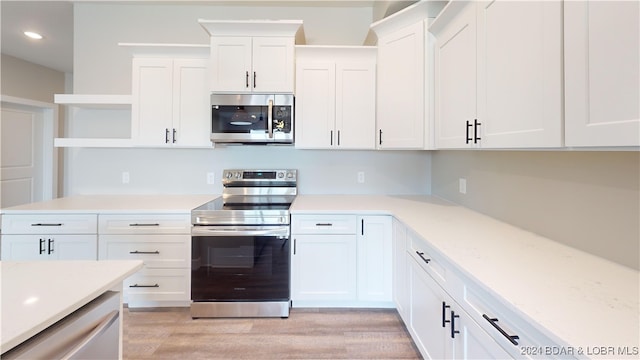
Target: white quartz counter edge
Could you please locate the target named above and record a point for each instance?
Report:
(114, 204)
(577, 298)
(37, 294)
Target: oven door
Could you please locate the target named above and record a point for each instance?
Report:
(252, 118)
(242, 264)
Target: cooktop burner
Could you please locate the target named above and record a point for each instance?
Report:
(250, 197)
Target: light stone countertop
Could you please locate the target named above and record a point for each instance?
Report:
(168, 204)
(37, 294)
(580, 299)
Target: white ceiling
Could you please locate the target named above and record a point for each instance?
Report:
(54, 20)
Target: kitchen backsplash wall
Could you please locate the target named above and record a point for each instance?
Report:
(184, 171)
(589, 200)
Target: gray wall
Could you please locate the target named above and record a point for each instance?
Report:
(101, 67)
(30, 81)
(589, 200)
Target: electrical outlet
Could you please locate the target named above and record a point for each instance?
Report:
(125, 177)
(462, 184)
(211, 178)
(360, 177)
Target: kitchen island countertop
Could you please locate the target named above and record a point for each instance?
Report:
(37, 294)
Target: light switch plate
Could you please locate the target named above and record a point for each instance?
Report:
(360, 177)
(211, 178)
(125, 177)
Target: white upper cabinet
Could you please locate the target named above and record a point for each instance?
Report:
(401, 95)
(252, 64)
(170, 102)
(516, 87)
(252, 56)
(602, 73)
(455, 80)
(335, 97)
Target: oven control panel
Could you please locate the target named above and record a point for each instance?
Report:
(253, 175)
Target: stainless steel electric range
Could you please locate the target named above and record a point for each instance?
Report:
(240, 246)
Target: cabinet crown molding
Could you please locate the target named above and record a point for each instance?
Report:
(407, 16)
(291, 28)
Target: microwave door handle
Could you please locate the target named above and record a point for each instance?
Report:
(270, 119)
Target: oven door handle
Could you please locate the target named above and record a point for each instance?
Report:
(218, 231)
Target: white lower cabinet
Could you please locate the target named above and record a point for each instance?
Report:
(49, 247)
(163, 242)
(341, 260)
(439, 326)
(323, 269)
(400, 272)
(49, 237)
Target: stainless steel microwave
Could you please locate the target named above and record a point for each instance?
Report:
(252, 119)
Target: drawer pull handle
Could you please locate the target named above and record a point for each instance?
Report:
(444, 313)
(144, 286)
(50, 245)
(42, 250)
(422, 257)
(493, 322)
(453, 324)
(136, 224)
(145, 252)
(324, 224)
(41, 224)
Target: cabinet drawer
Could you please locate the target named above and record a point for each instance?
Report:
(485, 309)
(152, 287)
(50, 224)
(144, 224)
(323, 224)
(157, 251)
(428, 260)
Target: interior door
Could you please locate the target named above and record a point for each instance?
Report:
(19, 160)
(28, 162)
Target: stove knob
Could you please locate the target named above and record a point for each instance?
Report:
(289, 175)
(238, 175)
(280, 175)
(228, 175)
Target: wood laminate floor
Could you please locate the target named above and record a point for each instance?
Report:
(306, 334)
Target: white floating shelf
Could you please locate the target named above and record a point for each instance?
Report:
(167, 50)
(94, 101)
(92, 142)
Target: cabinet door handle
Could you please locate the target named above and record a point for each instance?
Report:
(493, 322)
(41, 224)
(444, 314)
(324, 224)
(175, 133)
(144, 224)
(42, 249)
(50, 246)
(254, 79)
(422, 257)
(294, 246)
(166, 135)
(453, 324)
(331, 137)
(380, 137)
(145, 252)
(246, 79)
(144, 286)
(476, 124)
(467, 138)
(362, 227)
(338, 137)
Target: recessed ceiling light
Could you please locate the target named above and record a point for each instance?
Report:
(33, 35)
